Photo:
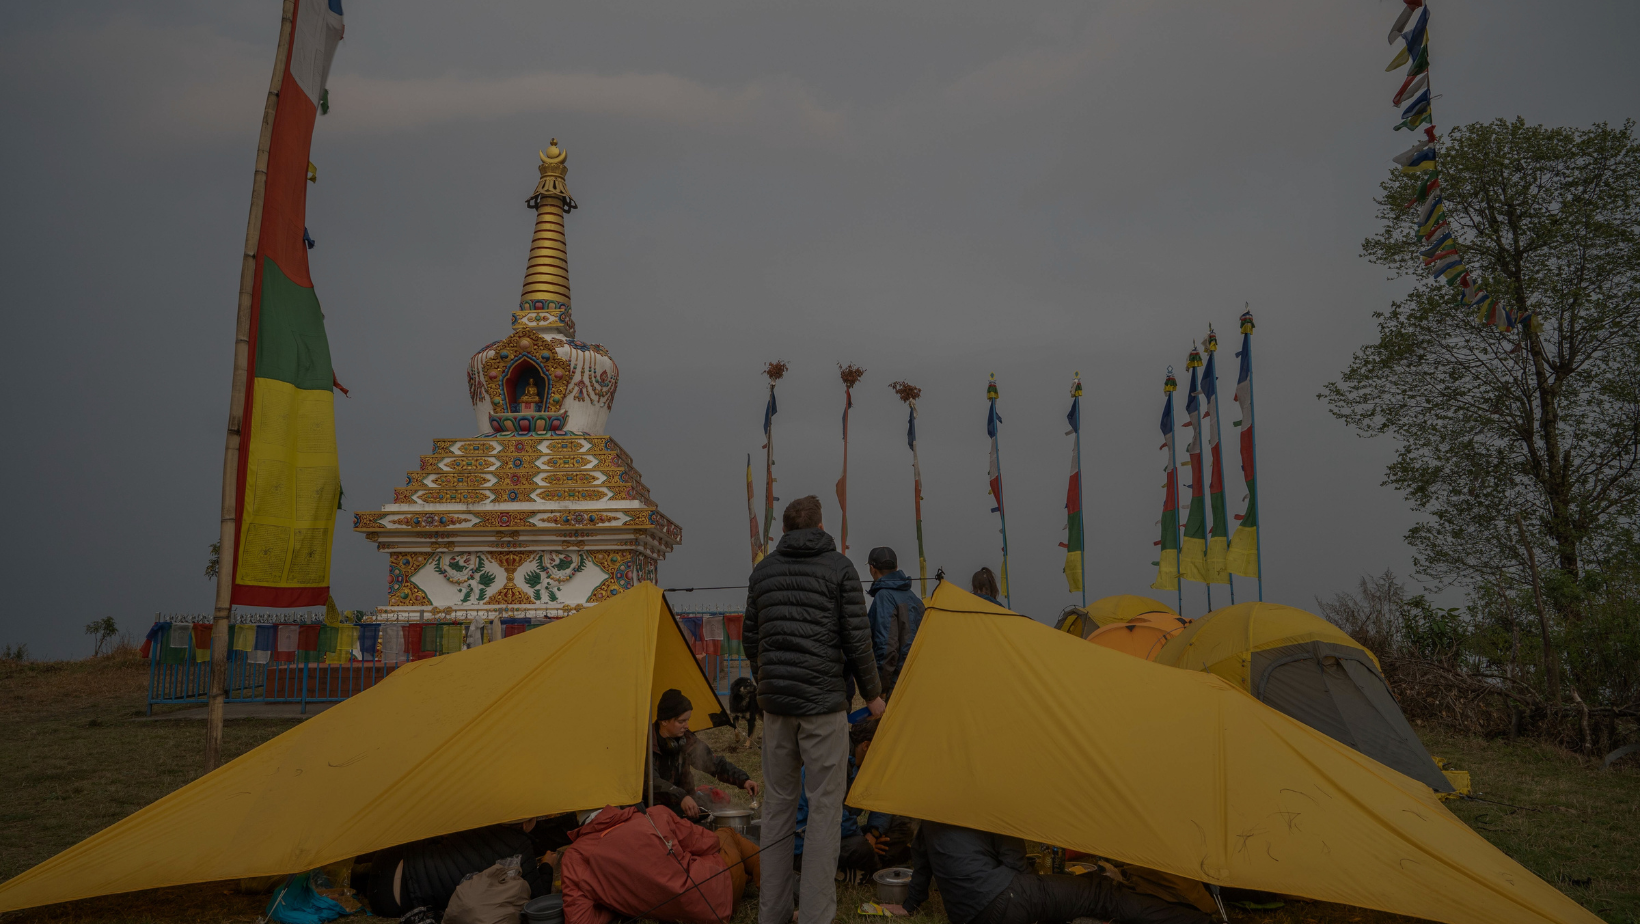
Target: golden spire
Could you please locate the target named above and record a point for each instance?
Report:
(544, 304)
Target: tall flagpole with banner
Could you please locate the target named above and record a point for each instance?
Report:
(1218, 541)
(1246, 557)
(1167, 565)
(909, 394)
(775, 371)
(851, 376)
(992, 418)
(280, 485)
(1076, 567)
(751, 513)
(1193, 546)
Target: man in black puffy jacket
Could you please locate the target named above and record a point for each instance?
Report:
(805, 634)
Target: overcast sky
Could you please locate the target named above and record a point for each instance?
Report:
(933, 191)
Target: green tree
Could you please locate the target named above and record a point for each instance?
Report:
(101, 632)
(1544, 419)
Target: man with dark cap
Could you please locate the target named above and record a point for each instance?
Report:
(806, 635)
(896, 613)
(677, 753)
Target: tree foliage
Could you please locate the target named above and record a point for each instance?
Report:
(1544, 419)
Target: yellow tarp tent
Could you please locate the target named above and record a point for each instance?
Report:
(549, 721)
(1107, 611)
(1072, 744)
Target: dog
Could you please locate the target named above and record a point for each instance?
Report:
(743, 705)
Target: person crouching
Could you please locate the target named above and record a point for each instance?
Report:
(654, 865)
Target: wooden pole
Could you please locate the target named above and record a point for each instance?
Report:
(236, 409)
(1551, 667)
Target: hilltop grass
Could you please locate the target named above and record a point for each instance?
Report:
(74, 761)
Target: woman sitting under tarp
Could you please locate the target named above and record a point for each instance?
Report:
(678, 753)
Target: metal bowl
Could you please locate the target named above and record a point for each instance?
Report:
(893, 885)
(736, 818)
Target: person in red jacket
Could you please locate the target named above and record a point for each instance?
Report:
(655, 865)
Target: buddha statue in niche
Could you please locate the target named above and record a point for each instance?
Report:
(530, 400)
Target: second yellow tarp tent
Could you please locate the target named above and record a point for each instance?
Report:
(553, 720)
(1071, 744)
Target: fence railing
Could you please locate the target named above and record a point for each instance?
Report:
(250, 682)
(713, 635)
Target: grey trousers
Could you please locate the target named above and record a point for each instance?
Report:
(808, 752)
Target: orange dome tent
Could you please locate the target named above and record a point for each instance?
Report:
(1109, 611)
(1141, 636)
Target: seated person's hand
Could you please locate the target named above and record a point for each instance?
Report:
(690, 808)
(751, 787)
(878, 842)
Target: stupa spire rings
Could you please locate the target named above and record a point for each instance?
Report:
(544, 303)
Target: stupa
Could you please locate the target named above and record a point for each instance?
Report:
(542, 513)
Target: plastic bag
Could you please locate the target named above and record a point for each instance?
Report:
(494, 896)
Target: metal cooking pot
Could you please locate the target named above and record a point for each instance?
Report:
(893, 885)
(738, 819)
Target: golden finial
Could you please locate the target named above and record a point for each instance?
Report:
(554, 167)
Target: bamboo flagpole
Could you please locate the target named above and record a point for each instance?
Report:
(228, 535)
(851, 376)
(909, 394)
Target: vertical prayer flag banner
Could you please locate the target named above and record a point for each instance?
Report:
(1193, 549)
(992, 418)
(1243, 557)
(751, 513)
(775, 371)
(909, 393)
(288, 484)
(851, 376)
(1218, 541)
(1167, 563)
(1073, 496)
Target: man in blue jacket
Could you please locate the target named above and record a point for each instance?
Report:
(896, 613)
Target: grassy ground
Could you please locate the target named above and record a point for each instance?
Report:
(74, 761)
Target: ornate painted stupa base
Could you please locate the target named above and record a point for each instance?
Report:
(542, 514)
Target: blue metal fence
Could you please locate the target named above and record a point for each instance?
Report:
(301, 682)
(713, 634)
